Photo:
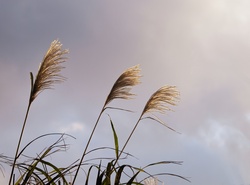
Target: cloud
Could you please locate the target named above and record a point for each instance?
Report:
(226, 139)
(200, 46)
(72, 128)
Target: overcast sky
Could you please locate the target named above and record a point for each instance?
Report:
(202, 47)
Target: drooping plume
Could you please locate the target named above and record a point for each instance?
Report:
(49, 70)
(122, 86)
(161, 99)
(121, 89)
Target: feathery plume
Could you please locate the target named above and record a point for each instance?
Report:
(159, 101)
(151, 181)
(47, 76)
(49, 70)
(122, 86)
(121, 89)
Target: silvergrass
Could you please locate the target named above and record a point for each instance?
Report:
(158, 102)
(38, 170)
(48, 74)
(122, 86)
(120, 90)
(151, 181)
(161, 99)
(49, 70)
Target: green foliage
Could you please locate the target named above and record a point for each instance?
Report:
(115, 139)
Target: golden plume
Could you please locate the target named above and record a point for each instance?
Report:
(159, 101)
(49, 70)
(121, 89)
(122, 86)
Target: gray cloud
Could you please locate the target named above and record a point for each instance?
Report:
(202, 47)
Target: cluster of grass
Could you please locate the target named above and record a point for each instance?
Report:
(39, 170)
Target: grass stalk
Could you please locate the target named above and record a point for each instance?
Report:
(120, 90)
(158, 102)
(129, 137)
(19, 143)
(87, 145)
(48, 74)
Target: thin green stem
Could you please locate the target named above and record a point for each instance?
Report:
(129, 137)
(87, 145)
(19, 143)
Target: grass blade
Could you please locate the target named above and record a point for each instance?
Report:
(115, 138)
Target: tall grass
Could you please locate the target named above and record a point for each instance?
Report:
(39, 170)
(48, 74)
(120, 90)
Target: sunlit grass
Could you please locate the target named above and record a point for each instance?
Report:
(40, 170)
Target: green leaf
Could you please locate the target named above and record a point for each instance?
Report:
(87, 178)
(56, 170)
(115, 138)
(31, 80)
(108, 174)
(99, 176)
(118, 174)
(133, 178)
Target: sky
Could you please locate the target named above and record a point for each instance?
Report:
(202, 47)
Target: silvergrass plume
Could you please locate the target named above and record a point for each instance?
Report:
(122, 86)
(151, 181)
(158, 102)
(120, 90)
(48, 74)
(161, 99)
(49, 70)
